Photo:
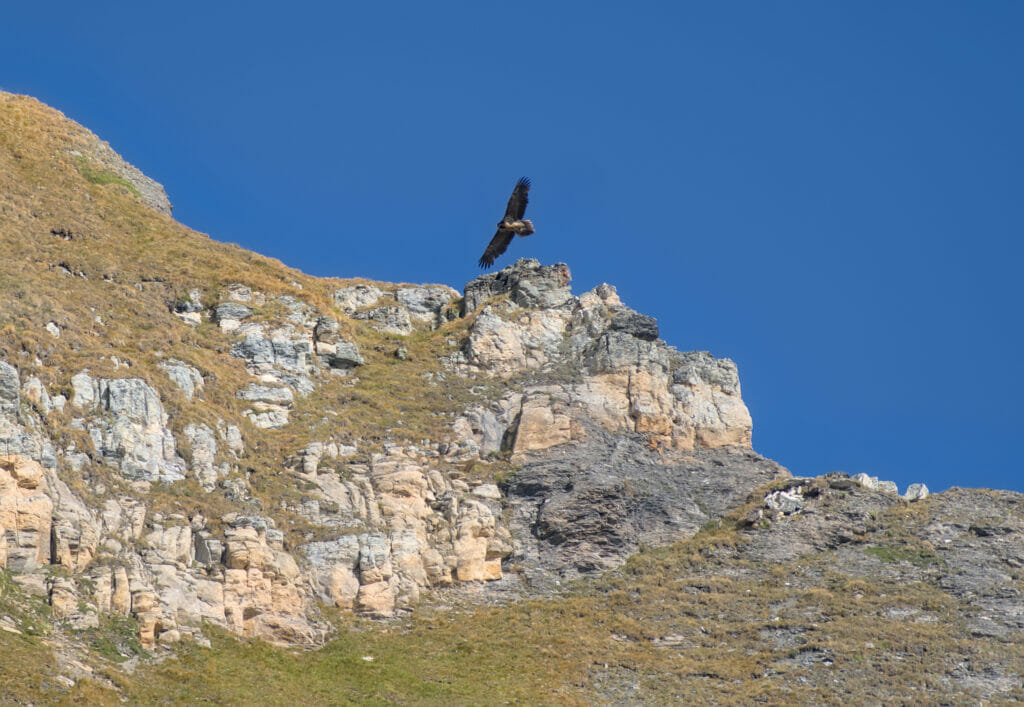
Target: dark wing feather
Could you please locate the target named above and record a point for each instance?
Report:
(497, 246)
(517, 202)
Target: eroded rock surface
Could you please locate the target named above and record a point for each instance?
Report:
(595, 359)
(617, 440)
(589, 506)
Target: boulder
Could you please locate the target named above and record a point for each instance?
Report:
(527, 284)
(388, 320)
(425, 303)
(350, 299)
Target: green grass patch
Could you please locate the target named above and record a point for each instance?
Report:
(116, 639)
(893, 553)
(102, 176)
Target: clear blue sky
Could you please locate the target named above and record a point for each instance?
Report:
(828, 193)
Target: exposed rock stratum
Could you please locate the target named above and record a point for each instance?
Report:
(194, 436)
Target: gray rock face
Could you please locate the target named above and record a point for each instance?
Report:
(190, 304)
(270, 405)
(489, 426)
(695, 367)
(635, 324)
(189, 308)
(34, 391)
(284, 356)
(132, 434)
(349, 299)
(325, 330)
(28, 441)
(587, 506)
(232, 437)
(618, 350)
(374, 558)
(527, 282)
(345, 355)
(873, 483)
(333, 565)
(389, 320)
(231, 310)
(425, 303)
(86, 391)
(186, 377)
(274, 395)
(785, 502)
(204, 453)
(256, 350)
(130, 431)
(10, 387)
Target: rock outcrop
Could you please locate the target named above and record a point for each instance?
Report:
(598, 361)
(621, 440)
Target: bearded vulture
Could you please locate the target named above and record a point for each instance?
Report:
(512, 225)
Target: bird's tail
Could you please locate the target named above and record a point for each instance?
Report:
(523, 228)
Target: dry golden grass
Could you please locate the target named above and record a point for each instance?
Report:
(107, 270)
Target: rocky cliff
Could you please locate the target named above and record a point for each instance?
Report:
(194, 437)
(575, 435)
(604, 438)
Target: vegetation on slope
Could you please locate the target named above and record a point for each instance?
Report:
(700, 621)
(703, 620)
(107, 271)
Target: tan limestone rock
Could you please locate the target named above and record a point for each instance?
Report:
(474, 530)
(121, 596)
(540, 427)
(103, 581)
(63, 600)
(27, 474)
(343, 587)
(26, 514)
(376, 599)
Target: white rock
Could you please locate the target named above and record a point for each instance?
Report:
(204, 452)
(186, 377)
(349, 299)
(916, 492)
(868, 482)
(487, 491)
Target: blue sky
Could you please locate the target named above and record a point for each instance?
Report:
(828, 193)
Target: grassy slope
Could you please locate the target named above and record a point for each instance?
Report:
(693, 621)
(60, 212)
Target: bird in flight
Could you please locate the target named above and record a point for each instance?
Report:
(512, 225)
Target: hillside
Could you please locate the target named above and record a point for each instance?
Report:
(208, 460)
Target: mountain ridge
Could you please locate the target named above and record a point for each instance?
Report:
(198, 439)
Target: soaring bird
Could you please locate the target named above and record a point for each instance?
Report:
(512, 225)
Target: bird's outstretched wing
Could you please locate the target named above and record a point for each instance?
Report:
(517, 202)
(497, 246)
